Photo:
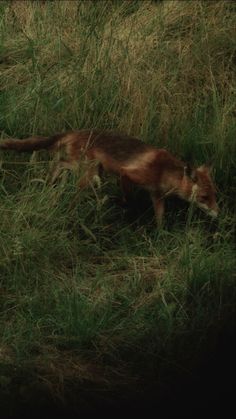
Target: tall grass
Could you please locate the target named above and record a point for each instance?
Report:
(91, 291)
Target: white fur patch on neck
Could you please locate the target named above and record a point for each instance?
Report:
(194, 192)
(140, 161)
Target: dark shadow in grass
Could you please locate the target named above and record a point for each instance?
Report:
(206, 385)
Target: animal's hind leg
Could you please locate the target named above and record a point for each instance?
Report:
(61, 165)
(87, 179)
(91, 174)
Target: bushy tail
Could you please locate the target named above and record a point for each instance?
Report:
(30, 144)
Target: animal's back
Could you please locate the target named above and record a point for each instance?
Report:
(128, 156)
(118, 146)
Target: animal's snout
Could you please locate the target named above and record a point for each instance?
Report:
(214, 213)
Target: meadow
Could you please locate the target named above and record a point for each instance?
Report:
(93, 295)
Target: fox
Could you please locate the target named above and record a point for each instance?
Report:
(132, 160)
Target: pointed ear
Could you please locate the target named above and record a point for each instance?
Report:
(207, 167)
(190, 172)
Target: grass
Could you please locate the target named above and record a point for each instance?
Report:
(92, 292)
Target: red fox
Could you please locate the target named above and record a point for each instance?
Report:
(132, 160)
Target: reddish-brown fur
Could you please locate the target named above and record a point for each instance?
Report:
(132, 160)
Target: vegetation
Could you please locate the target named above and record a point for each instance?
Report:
(92, 294)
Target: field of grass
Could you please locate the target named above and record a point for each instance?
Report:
(95, 301)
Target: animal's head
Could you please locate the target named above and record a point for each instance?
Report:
(201, 190)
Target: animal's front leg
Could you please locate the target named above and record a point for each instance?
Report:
(126, 187)
(159, 208)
